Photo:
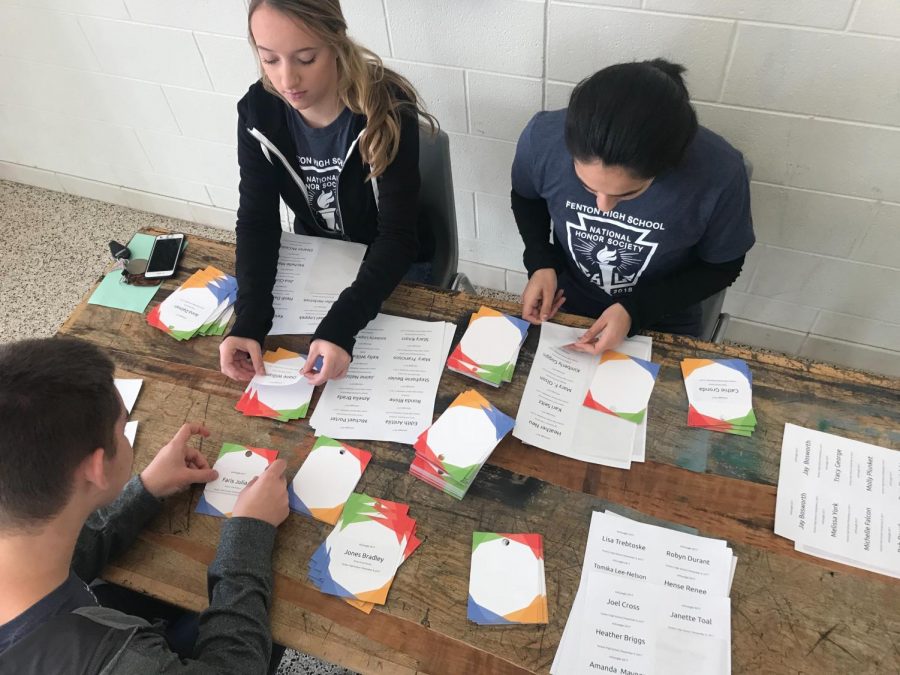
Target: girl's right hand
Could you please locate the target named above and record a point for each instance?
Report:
(541, 299)
(241, 358)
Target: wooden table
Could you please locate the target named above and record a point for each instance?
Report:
(791, 613)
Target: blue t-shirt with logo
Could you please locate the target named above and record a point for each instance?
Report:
(321, 153)
(698, 211)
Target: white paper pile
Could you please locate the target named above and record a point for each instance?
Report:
(838, 499)
(552, 415)
(651, 600)
(389, 390)
(312, 273)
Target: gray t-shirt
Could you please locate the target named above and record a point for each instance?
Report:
(699, 210)
(321, 154)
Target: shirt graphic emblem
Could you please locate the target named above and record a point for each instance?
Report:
(610, 254)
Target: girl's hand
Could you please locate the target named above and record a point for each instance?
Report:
(335, 361)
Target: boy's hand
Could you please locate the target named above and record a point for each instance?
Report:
(178, 465)
(265, 497)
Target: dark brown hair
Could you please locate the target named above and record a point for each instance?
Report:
(58, 404)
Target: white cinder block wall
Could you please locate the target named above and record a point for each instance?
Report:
(132, 102)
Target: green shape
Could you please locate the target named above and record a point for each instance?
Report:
(330, 442)
(231, 447)
(295, 414)
(632, 417)
(479, 538)
(356, 510)
(748, 420)
(460, 474)
(493, 374)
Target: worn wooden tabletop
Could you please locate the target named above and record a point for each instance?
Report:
(790, 613)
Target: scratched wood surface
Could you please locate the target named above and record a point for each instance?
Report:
(791, 613)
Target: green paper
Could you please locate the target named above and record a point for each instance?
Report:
(113, 293)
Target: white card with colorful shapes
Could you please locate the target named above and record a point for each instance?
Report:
(326, 479)
(237, 465)
(282, 393)
(506, 579)
(204, 295)
(490, 346)
(621, 386)
(359, 559)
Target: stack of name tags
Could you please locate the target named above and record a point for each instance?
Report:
(359, 559)
(720, 395)
(202, 305)
(489, 349)
(651, 600)
(838, 499)
(281, 394)
(451, 452)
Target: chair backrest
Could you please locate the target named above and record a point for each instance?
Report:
(436, 204)
(712, 306)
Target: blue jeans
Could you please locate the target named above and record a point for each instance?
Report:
(420, 273)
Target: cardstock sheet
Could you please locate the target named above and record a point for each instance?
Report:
(389, 390)
(837, 499)
(312, 272)
(551, 413)
(111, 292)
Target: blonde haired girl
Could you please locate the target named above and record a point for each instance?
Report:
(335, 134)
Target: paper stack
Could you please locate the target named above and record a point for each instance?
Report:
(312, 272)
(327, 479)
(359, 559)
(837, 499)
(552, 414)
(651, 600)
(237, 465)
(506, 580)
(389, 390)
(202, 305)
(451, 452)
(281, 394)
(621, 386)
(720, 395)
(489, 348)
(129, 390)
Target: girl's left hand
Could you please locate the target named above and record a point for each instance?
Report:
(335, 361)
(607, 332)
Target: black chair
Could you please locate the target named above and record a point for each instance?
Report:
(715, 321)
(437, 206)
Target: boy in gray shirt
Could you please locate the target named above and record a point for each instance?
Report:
(69, 504)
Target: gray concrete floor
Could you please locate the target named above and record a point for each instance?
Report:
(53, 248)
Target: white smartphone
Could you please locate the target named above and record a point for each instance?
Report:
(164, 255)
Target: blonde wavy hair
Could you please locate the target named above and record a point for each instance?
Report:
(364, 84)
